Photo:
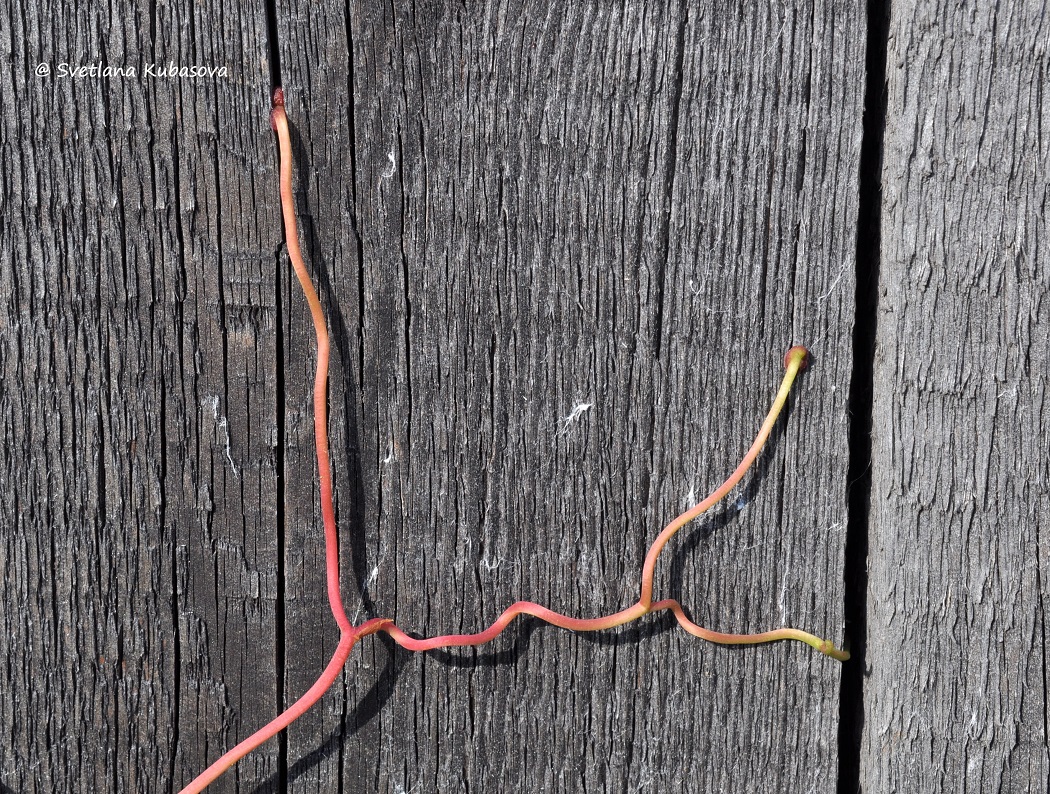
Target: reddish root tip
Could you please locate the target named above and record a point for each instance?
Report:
(799, 352)
(278, 103)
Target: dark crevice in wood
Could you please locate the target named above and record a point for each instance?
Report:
(273, 45)
(105, 411)
(274, 53)
(851, 703)
(173, 604)
(1042, 639)
(670, 168)
(406, 276)
(353, 400)
(279, 464)
(354, 210)
(180, 326)
(350, 515)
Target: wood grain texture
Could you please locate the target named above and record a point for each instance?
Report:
(563, 249)
(138, 408)
(956, 691)
(531, 212)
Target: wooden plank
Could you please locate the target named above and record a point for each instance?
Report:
(138, 408)
(565, 248)
(956, 693)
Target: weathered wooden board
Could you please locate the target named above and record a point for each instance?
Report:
(565, 248)
(955, 698)
(138, 232)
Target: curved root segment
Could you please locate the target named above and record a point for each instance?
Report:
(794, 362)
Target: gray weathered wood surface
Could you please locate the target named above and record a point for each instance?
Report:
(562, 248)
(956, 693)
(138, 355)
(557, 209)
